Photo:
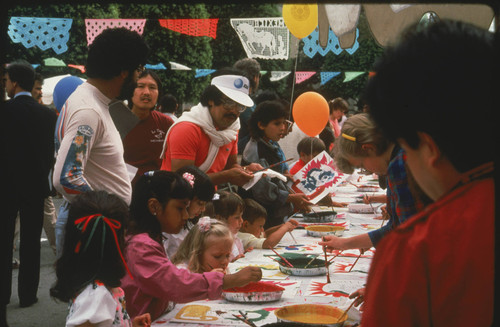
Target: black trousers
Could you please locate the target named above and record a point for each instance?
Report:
(30, 209)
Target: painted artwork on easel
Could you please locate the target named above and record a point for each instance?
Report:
(318, 177)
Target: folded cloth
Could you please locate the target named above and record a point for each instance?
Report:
(257, 176)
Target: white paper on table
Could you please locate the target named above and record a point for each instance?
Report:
(257, 176)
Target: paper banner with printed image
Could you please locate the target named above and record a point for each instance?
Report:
(94, 27)
(264, 38)
(318, 178)
(44, 33)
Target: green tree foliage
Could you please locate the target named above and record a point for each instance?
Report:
(198, 52)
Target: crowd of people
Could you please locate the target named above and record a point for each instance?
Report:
(153, 217)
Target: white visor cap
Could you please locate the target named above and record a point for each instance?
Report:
(235, 87)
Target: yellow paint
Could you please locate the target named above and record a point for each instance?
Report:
(195, 313)
(314, 318)
(310, 314)
(324, 228)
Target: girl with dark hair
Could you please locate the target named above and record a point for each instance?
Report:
(204, 191)
(159, 204)
(91, 266)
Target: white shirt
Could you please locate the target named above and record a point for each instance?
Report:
(90, 154)
(100, 306)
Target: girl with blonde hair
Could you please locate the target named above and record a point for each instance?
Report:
(207, 247)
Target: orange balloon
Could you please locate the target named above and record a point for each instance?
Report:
(310, 112)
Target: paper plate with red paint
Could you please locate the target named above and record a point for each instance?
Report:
(254, 292)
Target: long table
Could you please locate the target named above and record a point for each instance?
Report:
(298, 289)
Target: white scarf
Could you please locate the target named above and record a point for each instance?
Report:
(200, 116)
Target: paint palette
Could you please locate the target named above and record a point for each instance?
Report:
(303, 266)
(360, 208)
(323, 230)
(256, 292)
(311, 315)
(319, 217)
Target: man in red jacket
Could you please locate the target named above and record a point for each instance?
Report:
(437, 268)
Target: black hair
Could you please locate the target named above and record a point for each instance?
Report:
(91, 254)
(203, 187)
(39, 78)
(113, 51)
(310, 145)
(430, 81)
(253, 210)
(145, 73)
(22, 72)
(265, 112)
(161, 185)
(338, 104)
(226, 205)
(266, 95)
(168, 103)
(212, 93)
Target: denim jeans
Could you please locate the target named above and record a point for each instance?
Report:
(60, 228)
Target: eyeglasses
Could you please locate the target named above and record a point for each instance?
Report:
(229, 104)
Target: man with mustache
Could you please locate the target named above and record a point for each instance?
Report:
(207, 135)
(144, 143)
(89, 147)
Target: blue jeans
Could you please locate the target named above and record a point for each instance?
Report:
(60, 228)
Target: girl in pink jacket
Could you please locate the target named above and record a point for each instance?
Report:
(159, 204)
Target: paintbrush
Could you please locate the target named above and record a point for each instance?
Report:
(345, 312)
(335, 256)
(359, 256)
(314, 257)
(326, 262)
(293, 238)
(282, 258)
(273, 165)
(244, 320)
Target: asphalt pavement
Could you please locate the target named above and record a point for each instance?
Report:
(47, 312)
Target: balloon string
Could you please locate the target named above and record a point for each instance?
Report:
(293, 83)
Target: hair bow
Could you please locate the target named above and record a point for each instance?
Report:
(113, 224)
(189, 178)
(204, 224)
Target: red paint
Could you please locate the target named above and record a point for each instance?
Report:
(255, 287)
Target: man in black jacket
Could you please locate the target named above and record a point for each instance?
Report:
(28, 156)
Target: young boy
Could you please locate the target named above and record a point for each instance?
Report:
(437, 269)
(308, 148)
(252, 230)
